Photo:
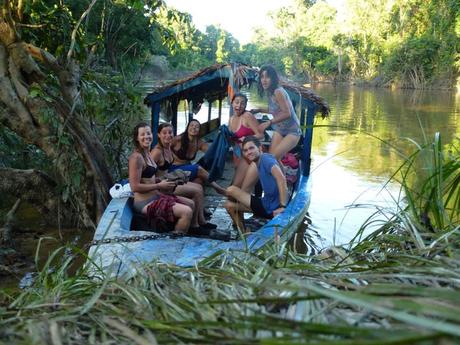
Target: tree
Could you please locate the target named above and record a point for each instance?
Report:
(42, 88)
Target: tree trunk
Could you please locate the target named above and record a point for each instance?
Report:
(24, 114)
(39, 190)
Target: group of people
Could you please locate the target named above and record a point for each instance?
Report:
(164, 201)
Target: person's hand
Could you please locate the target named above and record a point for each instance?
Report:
(166, 186)
(278, 211)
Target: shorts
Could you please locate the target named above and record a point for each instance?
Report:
(138, 206)
(193, 168)
(258, 208)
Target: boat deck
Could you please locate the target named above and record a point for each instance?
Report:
(214, 203)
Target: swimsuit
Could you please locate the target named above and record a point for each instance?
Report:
(138, 206)
(166, 165)
(183, 155)
(243, 132)
(149, 171)
(193, 168)
(288, 126)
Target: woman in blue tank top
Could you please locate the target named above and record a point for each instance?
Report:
(285, 121)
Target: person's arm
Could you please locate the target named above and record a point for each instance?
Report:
(282, 188)
(252, 123)
(135, 165)
(258, 110)
(202, 145)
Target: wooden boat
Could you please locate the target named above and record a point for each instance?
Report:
(118, 249)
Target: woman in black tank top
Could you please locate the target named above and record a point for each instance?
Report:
(163, 157)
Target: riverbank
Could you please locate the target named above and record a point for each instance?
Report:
(379, 82)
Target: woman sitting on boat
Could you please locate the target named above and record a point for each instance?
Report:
(265, 167)
(242, 123)
(148, 192)
(185, 148)
(163, 157)
(285, 122)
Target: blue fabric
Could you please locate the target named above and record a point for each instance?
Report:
(214, 159)
(271, 198)
(193, 168)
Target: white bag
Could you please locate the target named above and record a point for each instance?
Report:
(120, 191)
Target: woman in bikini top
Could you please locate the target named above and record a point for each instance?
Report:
(163, 157)
(185, 148)
(242, 123)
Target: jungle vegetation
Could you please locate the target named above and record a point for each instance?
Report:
(59, 58)
(61, 147)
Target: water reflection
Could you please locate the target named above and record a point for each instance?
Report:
(366, 138)
(360, 146)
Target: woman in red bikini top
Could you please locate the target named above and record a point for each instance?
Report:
(242, 123)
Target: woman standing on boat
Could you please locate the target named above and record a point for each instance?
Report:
(163, 157)
(285, 122)
(148, 193)
(185, 147)
(242, 123)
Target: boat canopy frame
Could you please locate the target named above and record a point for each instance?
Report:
(222, 81)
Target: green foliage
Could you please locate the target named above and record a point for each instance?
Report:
(15, 153)
(414, 62)
(375, 38)
(113, 118)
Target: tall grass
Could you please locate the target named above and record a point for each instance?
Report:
(399, 285)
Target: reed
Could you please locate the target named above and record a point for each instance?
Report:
(399, 285)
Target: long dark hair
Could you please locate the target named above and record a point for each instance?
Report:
(160, 128)
(185, 141)
(274, 78)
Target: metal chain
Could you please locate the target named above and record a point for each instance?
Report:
(125, 239)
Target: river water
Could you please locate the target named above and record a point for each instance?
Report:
(352, 156)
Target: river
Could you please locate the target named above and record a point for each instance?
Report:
(352, 157)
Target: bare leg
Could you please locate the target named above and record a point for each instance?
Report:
(281, 145)
(251, 177)
(240, 172)
(240, 196)
(193, 191)
(190, 203)
(183, 213)
(236, 212)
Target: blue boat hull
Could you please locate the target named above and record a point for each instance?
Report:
(126, 257)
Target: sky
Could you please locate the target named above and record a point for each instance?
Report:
(238, 17)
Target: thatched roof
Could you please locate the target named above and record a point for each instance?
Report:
(212, 83)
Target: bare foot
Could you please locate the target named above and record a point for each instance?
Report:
(219, 189)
